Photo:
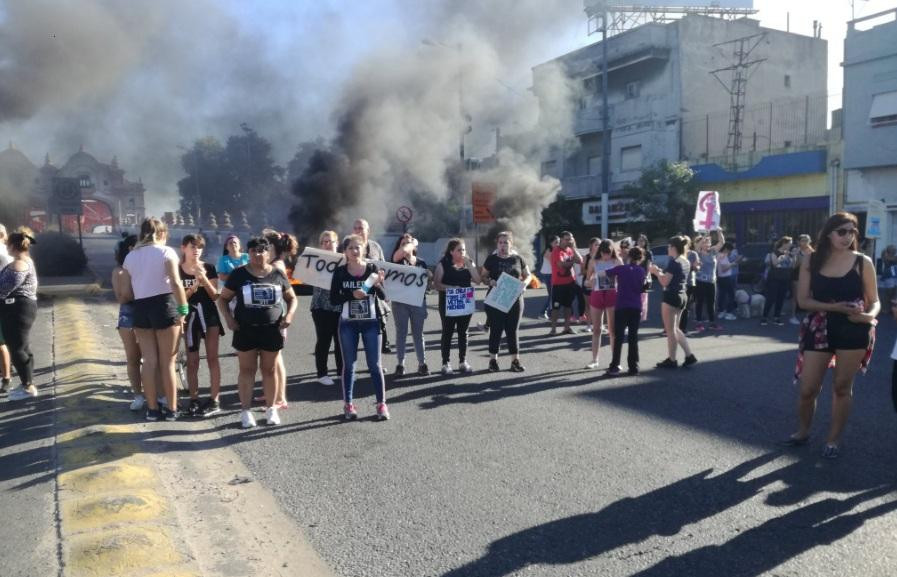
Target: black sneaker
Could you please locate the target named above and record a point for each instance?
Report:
(153, 415)
(516, 367)
(613, 371)
(400, 370)
(194, 408)
(169, 415)
(386, 348)
(764, 321)
(423, 370)
(493, 365)
(778, 322)
(689, 361)
(667, 364)
(210, 408)
(632, 371)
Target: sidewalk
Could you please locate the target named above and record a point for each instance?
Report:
(111, 494)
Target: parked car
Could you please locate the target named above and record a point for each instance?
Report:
(751, 266)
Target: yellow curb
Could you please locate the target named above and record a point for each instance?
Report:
(95, 432)
(95, 512)
(111, 477)
(119, 552)
(71, 457)
(86, 418)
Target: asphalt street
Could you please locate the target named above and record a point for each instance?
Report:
(557, 471)
(552, 472)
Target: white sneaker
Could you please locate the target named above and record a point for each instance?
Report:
(447, 369)
(21, 393)
(138, 403)
(465, 367)
(247, 421)
(326, 380)
(272, 416)
(593, 365)
(794, 321)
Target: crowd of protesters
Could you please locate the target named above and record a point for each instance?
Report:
(166, 299)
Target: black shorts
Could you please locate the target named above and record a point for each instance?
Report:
(198, 323)
(841, 335)
(155, 312)
(562, 296)
(675, 300)
(263, 338)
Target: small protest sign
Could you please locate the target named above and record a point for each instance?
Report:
(505, 293)
(459, 301)
(707, 212)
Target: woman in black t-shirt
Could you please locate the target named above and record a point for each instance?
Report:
(257, 321)
(355, 287)
(200, 282)
(455, 270)
(504, 260)
(674, 280)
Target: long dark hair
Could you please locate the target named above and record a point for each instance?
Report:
(400, 244)
(124, 246)
(452, 244)
(824, 243)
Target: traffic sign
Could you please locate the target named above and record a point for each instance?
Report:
(404, 214)
(66, 197)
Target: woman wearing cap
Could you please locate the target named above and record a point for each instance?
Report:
(232, 257)
(160, 304)
(18, 309)
(258, 322)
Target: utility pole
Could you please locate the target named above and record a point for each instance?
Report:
(605, 131)
(741, 70)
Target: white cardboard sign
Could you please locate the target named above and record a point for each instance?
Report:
(707, 212)
(505, 293)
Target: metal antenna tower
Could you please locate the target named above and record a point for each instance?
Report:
(742, 68)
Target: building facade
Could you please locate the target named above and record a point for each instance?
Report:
(665, 103)
(109, 200)
(870, 118)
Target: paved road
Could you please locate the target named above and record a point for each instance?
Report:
(558, 472)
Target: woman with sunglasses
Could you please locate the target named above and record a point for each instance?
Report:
(258, 322)
(779, 264)
(355, 287)
(232, 257)
(839, 290)
(603, 297)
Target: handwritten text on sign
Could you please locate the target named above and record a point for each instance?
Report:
(707, 213)
(459, 301)
(403, 284)
(505, 293)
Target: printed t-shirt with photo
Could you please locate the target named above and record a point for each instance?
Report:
(258, 298)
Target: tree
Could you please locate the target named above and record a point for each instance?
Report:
(562, 214)
(664, 196)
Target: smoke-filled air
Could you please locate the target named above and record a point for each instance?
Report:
(387, 90)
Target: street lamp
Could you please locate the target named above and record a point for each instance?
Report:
(197, 206)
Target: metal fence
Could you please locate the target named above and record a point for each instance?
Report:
(793, 123)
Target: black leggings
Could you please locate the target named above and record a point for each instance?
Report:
(449, 326)
(16, 320)
(689, 301)
(327, 331)
(626, 319)
(705, 295)
(775, 294)
(504, 322)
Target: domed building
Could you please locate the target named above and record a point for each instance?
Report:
(109, 200)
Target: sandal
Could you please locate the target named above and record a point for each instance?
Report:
(795, 441)
(830, 451)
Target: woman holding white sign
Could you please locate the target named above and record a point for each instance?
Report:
(326, 318)
(504, 261)
(405, 253)
(356, 286)
(454, 276)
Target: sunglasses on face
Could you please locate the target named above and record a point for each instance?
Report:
(846, 231)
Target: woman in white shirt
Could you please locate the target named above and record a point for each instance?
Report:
(160, 304)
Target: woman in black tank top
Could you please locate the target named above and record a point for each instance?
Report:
(454, 271)
(838, 288)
